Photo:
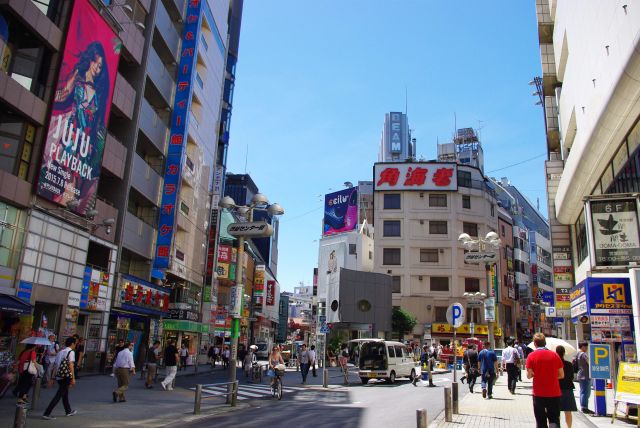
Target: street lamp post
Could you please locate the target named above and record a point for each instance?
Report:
(261, 203)
(487, 249)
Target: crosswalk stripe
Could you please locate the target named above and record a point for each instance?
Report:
(246, 391)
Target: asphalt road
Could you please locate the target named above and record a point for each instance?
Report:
(375, 404)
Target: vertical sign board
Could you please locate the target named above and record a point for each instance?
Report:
(600, 361)
(177, 137)
(271, 293)
(614, 230)
(75, 140)
(396, 136)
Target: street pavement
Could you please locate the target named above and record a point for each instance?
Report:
(509, 411)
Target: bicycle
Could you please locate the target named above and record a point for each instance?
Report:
(276, 384)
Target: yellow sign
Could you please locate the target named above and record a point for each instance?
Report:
(628, 385)
(479, 329)
(614, 293)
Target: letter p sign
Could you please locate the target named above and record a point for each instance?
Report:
(600, 354)
(455, 315)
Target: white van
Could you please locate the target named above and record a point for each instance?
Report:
(384, 359)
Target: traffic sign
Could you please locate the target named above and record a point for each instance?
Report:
(455, 314)
(324, 328)
(550, 311)
(600, 361)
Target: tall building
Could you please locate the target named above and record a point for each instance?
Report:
(590, 88)
(420, 210)
(465, 149)
(396, 143)
(365, 197)
(106, 199)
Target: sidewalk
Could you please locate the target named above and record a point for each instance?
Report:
(91, 397)
(508, 411)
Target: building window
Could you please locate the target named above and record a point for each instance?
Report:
(440, 314)
(493, 210)
(581, 238)
(395, 284)
(391, 256)
(199, 80)
(471, 285)
(204, 42)
(502, 230)
(466, 202)
(437, 200)
(179, 255)
(16, 143)
(437, 227)
(392, 201)
(428, 255)
(470, 228)
(464, 178)
(391, 228)
(439, 283)
(352, 249)
(370, 255)
(184, 208)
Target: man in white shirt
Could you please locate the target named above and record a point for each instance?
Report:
(50, 357)
(312, 359)
(123, 366)
(66, 379)
(511, 360)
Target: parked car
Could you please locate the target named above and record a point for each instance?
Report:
(384, 359)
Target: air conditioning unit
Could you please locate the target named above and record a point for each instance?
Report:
(420, 278)
(421, 221)
(389, 272)
(441, 250)
(421, 195)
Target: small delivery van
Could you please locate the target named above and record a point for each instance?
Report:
(385, 359)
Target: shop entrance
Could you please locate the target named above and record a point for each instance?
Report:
(46, 319)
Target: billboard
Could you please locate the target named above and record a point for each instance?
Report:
(75, 140)
(614, 227)
(415, 176)
(397, 140)
(178, 137)
(340, 211)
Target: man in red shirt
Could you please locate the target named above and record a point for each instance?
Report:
(545, 367)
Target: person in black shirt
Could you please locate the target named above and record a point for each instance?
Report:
(152, 364)
(568, 400)
(470, 361)
(171, 363)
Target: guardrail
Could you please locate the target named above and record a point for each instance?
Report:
(232, 390)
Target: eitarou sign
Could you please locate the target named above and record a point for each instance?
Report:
(614, 230)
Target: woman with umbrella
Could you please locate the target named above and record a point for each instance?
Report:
(26, 360)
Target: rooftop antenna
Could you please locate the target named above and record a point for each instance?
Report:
(246, 158)
(455, 124)
(406, 100)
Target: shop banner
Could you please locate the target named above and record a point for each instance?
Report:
(271, 293)
(80, 110)
(628, 385)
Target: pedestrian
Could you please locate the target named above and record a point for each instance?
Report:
(80, 353)
(211, 355)
(64, 373)
(119, 347)
(124, 366)
(583, 376)
(488, 366)
(313, 357)
(471, 358)
(226, 356)
(184, 353)
(247, 362)
(50, 352)
(545, 368)
(152, 364)
(304, 363)
(511, 363)
(568, 401)
(521, 355)
(26, 367)
(465, 363)
(171, 359)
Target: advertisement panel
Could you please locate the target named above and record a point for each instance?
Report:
(397, 139)
(340, 211)
(415, 176)
(614, 228)
(178, 137)
(72, 155)
(271, 293)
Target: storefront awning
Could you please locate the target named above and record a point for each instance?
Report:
(13, 304)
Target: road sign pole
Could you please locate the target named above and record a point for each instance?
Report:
(455, 356)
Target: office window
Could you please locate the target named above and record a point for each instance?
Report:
(437, 200)
(439, 283)
(395, 284)
(428, 255)
(493, 210)
(370, 255)
(391, 256)
(392, 201)
(391, 228)
(471, 285)
(352, 249)
(470, 228)
(464, 178)
(466, 201)
(437, 227)
(502, 230)
(440, 314)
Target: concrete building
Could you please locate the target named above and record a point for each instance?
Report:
(421, 208)
(590, 91)
(396, 143)
(365, 196)
(113, 255)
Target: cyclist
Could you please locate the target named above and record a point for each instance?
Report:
(275, 358)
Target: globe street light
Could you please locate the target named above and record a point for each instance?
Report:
(259, 202)
(486, 247)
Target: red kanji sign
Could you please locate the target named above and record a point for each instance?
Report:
(164, 229)
(389, 175)
(176, 139)
(163, 251)
(416, 176)
(172, 169)
(442, 177)
(169, 189)
(182, 86)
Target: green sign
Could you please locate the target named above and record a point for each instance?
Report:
(184, 325)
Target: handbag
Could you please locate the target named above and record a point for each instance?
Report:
(30, 368)
(63, 371)
(270, 373)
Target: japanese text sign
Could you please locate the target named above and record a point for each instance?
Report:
(415, 176)
(600, 361)
(178, 134)
(271, 293)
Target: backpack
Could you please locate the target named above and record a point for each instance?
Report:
(64, 371)
(574, 363)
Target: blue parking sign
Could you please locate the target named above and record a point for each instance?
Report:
(600, 361)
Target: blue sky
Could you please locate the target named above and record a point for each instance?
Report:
(315, 78)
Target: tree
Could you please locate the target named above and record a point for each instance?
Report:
(402, 321)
